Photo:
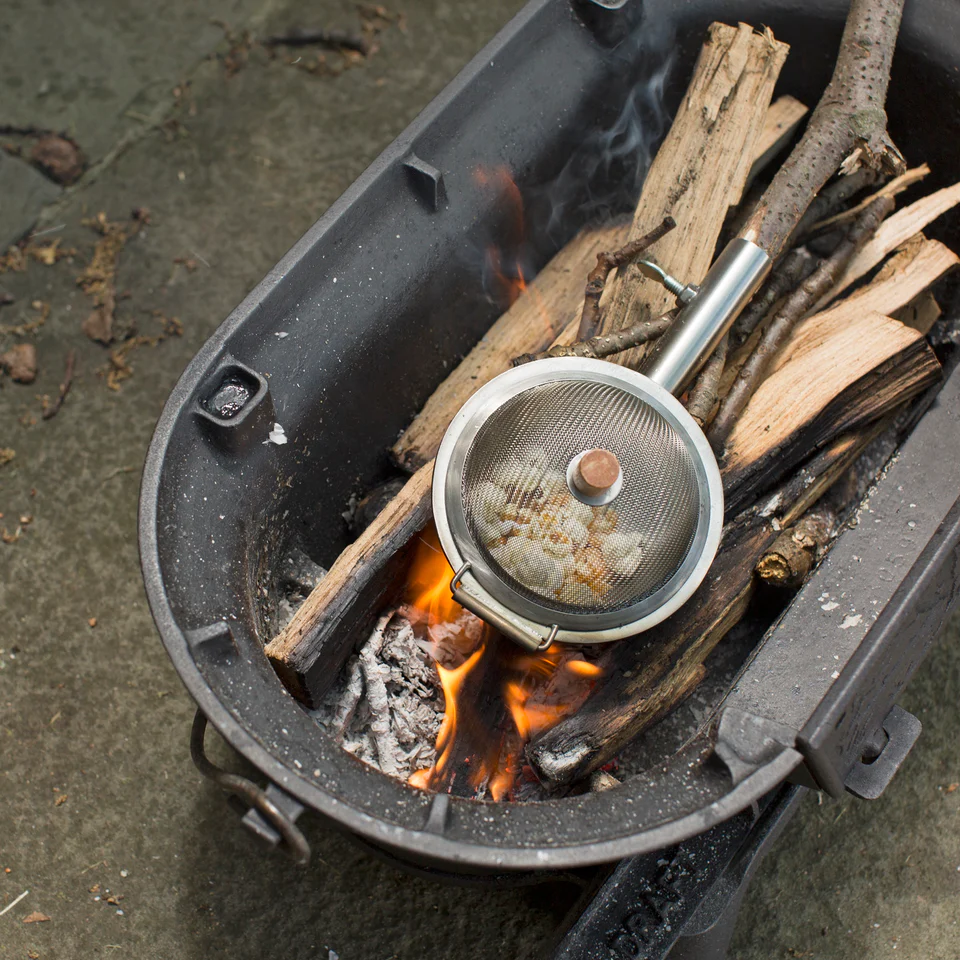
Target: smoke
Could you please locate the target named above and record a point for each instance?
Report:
(607, 165)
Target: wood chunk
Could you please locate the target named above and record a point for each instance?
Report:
(341, 609)
(553, 300)
(701, 170)
(792, 555)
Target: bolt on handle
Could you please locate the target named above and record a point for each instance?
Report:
(684, 292)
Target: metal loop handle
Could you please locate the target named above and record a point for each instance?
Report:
(293, 842)
(528, 639)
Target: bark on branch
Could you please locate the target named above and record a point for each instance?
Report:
(606, 262)
(848, 129)
(606, 344)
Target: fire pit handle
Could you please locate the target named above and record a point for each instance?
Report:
(289, 837)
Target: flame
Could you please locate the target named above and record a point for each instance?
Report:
(504, 271)
(523, 694)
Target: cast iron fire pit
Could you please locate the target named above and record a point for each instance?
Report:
(390, 264)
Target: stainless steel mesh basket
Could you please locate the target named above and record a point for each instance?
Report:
(540, 551)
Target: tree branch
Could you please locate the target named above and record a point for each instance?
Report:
(606, 344)
(848, 129)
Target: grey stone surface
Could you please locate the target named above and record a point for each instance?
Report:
(96, 714)
(23, 194)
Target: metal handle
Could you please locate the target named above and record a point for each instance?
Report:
(693, 336)
(293, 842)
(528, 639)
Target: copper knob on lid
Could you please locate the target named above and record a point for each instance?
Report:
(595, 476)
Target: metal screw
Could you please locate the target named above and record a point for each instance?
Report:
(684, 292)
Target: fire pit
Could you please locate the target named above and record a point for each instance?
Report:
(287, 411)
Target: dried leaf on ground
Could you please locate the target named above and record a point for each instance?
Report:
(118, 366)
(20, 362)
(98, 279)
(59, 157)
(48, 253)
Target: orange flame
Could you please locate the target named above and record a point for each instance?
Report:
(477, 667)
(507, 277)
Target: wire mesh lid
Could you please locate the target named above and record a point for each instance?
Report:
(533, 527)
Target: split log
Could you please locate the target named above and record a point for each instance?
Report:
(341, 609)
(779, 125)
(893, 232)
(794, 307)
(831, 380)
(552, 300)
(701, 169)
(901, 281)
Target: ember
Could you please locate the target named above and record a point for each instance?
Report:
(496, 697)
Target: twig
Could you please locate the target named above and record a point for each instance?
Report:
(336, 39)
(891, 189)
(790, 271)
(848, 129)
(705, 390)
(606, 344)
(832, 198)
(54, 408)
(11, 905)
(790, 313)
(597, 278)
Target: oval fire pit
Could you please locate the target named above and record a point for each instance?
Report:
(289, 408)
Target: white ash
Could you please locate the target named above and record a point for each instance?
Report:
(387, 706)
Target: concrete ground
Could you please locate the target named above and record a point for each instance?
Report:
(103, 818)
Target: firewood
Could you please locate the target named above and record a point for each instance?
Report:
(341, 609)
(892, 188)
(848, 128)
(546, 314)
(782, 119)
(791, 311)
(893, 232)
(840, 370)
(552, 300)
(790, 558)
(915, 266)
(647, 680)
(701, 169)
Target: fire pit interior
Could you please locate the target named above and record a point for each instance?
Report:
(289, 552)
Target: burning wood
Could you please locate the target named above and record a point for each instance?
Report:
(802, 386)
